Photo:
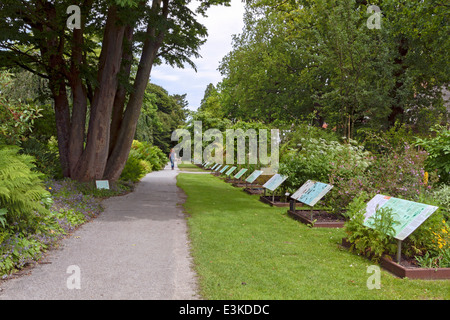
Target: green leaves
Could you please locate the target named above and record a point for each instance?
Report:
(3, 213)
(16, 117)
(438, 148)
(21, 189)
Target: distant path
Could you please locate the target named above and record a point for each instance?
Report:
(136, 249)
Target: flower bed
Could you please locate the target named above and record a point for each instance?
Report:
(408, 267)
(275, 201)
(318, 218)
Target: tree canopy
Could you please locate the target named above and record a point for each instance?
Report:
(98, 73)
(298, 57)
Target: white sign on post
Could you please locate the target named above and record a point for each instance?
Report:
(102, 184)
(409, 215)
(274, 182)
(311, 192)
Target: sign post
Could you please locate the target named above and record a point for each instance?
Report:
(240, 173)
(102, 184)
(311, 192)
(273, 183)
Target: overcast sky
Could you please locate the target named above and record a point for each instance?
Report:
(222, 22)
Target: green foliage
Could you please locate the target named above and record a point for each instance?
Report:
(21, 188)
(397, 173)
(321, 160)
(71, 216)
(294, 57)
(3, 213)
(142, 159)
(161, 114)
(150, 153)
(135, 168)
(16, 117)
(375, 241)
(17, 250)
(46, 156)
(438, 148)
(442, 196)
(442, 260)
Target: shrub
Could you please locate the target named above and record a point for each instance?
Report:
(135, 168)
(371, 242)
(152, 154)
(325, 161)
(16, 117)
(438, 149)
(399, 173)
(22, 192)
(442, 197)
(46, 156)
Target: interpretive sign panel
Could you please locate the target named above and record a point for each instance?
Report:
(409, 215)
(240, 173)
(251, 178)
(218, 168)
(230, 171)
(311, 192)
(214, 166)
(274, 182)
(224, 168)
(102, 184)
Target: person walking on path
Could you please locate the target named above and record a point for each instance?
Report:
(172, 158)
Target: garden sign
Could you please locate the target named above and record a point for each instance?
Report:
(240, 173)
(274, 182)
(409, 215)
(311, 192)
(254, 176)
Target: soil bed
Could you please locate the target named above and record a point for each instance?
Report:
(318, 218)
(254, 190)
(277, 201)
(408, 267)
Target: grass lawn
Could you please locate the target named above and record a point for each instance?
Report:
(245, 249)
(189, 167)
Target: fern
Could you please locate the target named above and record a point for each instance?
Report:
(21, 188)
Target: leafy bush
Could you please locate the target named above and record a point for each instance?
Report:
(324, 161)
(22, 191)
(46, 156)
(152, 154)
(371, 242)
(135, 168)
(399, 173)
(16, 117)
(438, 149)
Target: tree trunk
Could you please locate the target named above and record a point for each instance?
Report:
(397, 107)
(79, 109)
(62, 117)
(120, 98)
(92, 163)
(121, 149)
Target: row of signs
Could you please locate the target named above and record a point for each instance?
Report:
(409, 215)
(310, 193)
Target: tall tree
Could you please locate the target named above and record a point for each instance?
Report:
(90, 69)
(295, 57)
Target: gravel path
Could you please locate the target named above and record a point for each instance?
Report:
(136, 249)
